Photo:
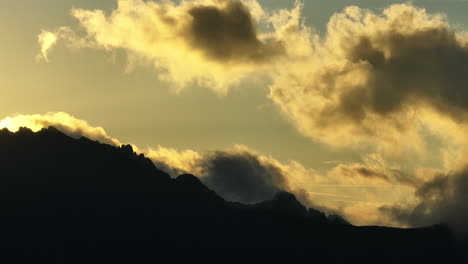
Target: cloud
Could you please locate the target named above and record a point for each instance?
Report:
(390, 79)
(356, 190)
(242, 176)
(443, 199)
(238, 174)
(46, 40)
(215, 43)
(391, 83)
(175, 162)
(379, 80)
(62, 121)
(374, 167)
(362, 188)
(227, 33)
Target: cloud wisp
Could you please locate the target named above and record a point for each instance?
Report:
(46, 40)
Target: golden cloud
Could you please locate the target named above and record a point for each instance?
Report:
(392, 83)
(379, 80)
(215, 43)
(387, 79)
(64, 122)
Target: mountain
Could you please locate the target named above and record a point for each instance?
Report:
(67, 200)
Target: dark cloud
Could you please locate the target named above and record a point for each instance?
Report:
(228, 34)
(403, 69)
(238, 174)
(444, 199)
(241, 176)
(372, 169)
(363, 171)
(426, 65)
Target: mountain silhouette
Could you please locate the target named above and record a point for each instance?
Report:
(67, 200)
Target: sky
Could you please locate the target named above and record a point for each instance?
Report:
(357, 107)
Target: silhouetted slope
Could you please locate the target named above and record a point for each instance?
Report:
(76, 200)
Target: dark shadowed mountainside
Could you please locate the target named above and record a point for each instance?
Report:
(66, 200)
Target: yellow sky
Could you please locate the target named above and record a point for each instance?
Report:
(304, 96)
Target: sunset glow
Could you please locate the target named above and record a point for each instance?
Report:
(357, 107)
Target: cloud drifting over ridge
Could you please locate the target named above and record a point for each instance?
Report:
(242, 174)
(64, 122)
(238, 174)
(443, 199)
(354, 190)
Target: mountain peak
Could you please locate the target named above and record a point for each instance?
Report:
(285, 196)
(24, 131)
(188, 178)
(51, 129)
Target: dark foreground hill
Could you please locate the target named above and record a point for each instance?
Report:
(66, 200)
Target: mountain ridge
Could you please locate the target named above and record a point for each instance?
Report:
(101, 201)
